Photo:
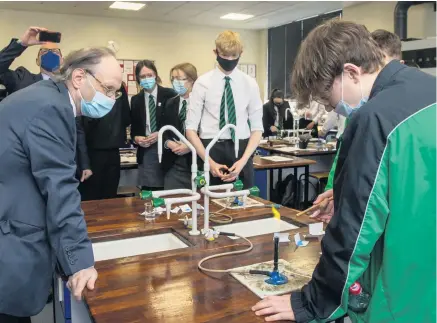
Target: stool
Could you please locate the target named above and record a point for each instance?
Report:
(322, 179)
(127, 191)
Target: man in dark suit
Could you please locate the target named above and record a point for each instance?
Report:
(41, 222)
(274, 114)
(49, 59)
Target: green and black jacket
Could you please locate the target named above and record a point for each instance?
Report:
(383, 232)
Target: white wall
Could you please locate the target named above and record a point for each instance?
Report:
(168, 44)
(380, 15)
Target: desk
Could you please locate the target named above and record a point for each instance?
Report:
(168, 287)
(260, 163)
(297, 153)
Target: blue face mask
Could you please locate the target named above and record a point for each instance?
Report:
(148, 83)
(344, 108)
(50, 61)
(98, 107)
(179, 87)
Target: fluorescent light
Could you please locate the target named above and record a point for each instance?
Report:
(127, 5)
(236, 16)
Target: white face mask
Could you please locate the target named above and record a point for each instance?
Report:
(344, 108)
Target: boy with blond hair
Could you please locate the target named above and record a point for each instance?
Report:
(223, 96)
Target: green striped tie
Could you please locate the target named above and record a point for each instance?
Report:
(228, 101)
(183, 114)
(152, 112)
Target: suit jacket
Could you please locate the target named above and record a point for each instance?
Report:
(138, 114)
(269, 117)
(22, 78)
(170, 117)
(41, 221)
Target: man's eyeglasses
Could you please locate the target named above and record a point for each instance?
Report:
(108, 92)
(46, 50)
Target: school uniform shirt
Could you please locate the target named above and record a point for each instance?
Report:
(205, 101)
(334, 120)
(316, 109)
(154, 94)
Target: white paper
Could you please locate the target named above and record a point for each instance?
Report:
(288, 149)
(299, 242)
(316, 229)
(124, 79)
(283, 237)
(185, 208)
(175, 210)
(277, 158)
(132, 87)
(160, 209)
(251, 70)
(129, 67)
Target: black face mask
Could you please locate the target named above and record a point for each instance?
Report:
(227, 64)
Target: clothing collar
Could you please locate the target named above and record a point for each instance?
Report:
(154, 92)
(223, 75)
(385, 76)
(45, 76)
(72, 104)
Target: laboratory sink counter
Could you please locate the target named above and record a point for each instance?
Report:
(167, 286)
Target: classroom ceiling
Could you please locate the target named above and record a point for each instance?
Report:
(267, 14)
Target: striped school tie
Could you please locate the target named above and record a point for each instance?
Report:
(152, 112)
(228, 101)
(183, 114)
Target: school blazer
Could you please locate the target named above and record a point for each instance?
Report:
(269, 117)
(171, 117)
(138, 114)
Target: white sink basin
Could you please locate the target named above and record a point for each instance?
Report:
(136, 246)
(257, 227)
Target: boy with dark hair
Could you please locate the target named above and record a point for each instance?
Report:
(385, 181)
(389, 43)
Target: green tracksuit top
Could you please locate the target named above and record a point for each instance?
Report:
(330, 182)
(383, 232)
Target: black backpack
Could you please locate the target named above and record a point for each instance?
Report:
(284, 193)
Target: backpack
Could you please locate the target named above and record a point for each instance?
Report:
(284, 193)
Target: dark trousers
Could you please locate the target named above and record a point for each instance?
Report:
(223, 153)
(103, 184)
(12, 319)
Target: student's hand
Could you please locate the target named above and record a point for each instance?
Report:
(87, 173)
(278, 308)
(273, 129)
(308, 115)
(30, 37)
(150, 140)
(181, 149)
(235, 170)
(217, 169)
(84, 278)
(172, 145)
(310, 125)
(326, 210)
(139, 139)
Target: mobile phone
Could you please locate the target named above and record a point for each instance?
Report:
(50, 36)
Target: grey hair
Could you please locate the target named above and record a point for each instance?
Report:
(85, 58)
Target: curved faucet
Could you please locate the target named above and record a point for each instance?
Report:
(207, 190)
(194, 196)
